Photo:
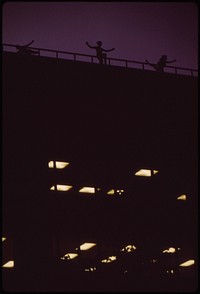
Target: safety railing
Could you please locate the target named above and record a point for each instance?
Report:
(110, 61)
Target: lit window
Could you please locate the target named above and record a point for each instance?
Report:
(69, 256)
(9, 264)
(170, 271)
(120, 192)
(111, 192)
(91, 269)
(129, 248)
(52, 188)
(89, 190)
(3, 239)
(182, 197)
(51, 164)
(109, 259)
(61, 164)
(58, 164)
(187, 263)
(169, 250)
(145, 172)
(87, 246)
(63, 187)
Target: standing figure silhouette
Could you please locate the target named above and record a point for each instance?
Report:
(23, 49)
(99, 52)
(159, 66)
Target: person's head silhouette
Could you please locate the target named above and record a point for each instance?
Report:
(164, 57)
(99, 43)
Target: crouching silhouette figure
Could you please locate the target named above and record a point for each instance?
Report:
(159, 66)
(99, 52)
(23, 49)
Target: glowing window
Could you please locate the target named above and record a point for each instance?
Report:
(52, 188)
(58, 164)
(182, 197)
(170, 271)
(61, 164)
(120, 192)
(145, 172)
(69, 256)
(91, 269)
(89, 190)
(129, 248)
(3, 239)
(9, 264)
(169, 250)
(51, 164)
(111, 192)
(109, 259)
(63, 187)
(87, 246)
(187, 263)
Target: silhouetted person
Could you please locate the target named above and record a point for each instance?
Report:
(99, 51)
(25, 50)
(161, 63)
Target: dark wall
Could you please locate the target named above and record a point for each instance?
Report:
(108, 121)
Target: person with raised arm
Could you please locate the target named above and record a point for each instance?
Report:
(99, 51)
(159, 66)
(23, 49)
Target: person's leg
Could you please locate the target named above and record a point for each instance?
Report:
(100, 59)
(104, 58)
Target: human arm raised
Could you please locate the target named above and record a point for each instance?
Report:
(108, 50)
(171, 61)
(29, 44)
(93, 47)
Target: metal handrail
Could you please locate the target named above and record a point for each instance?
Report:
(125, 62)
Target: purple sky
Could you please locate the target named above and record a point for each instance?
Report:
(138, 30)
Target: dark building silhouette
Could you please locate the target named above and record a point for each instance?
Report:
(108, 123)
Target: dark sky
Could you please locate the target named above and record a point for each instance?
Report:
(138, 30)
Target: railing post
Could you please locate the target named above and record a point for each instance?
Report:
(74, 57)
(192, 73)
(142, 65)
(109, 61)
(57, 54)
(92, 59)
(175, 70)
(126, 63)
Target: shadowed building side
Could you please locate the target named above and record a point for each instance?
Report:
(107, 123)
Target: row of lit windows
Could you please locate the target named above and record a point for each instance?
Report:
(93, 190)
(10, 263)
(63, 164)
(87, 190)
(126, 249)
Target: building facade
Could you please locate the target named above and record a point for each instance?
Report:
(99, 177)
